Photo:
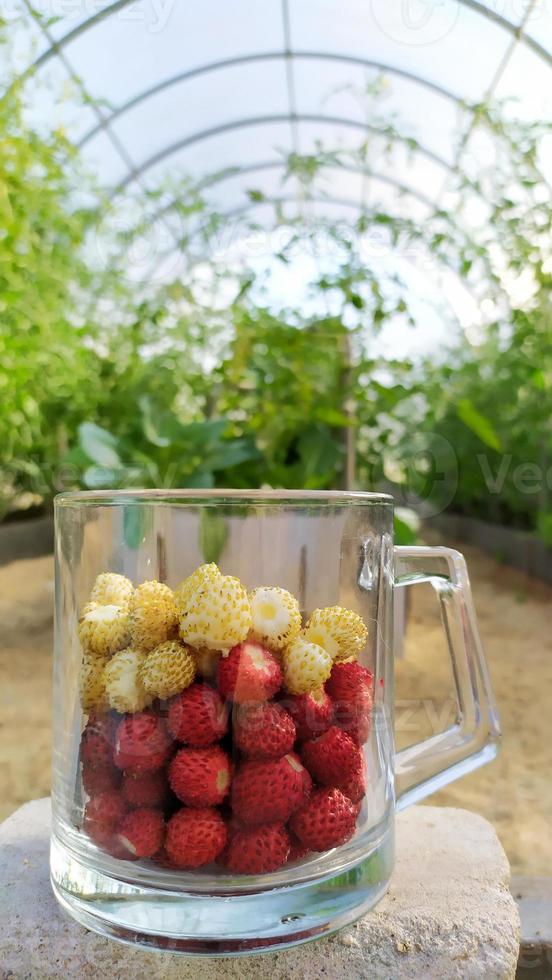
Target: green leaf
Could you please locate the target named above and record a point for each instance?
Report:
(213, 534)
(539, 380)
(201, 479)
(202, 433)
(544, 527)
(99, 445)
(333, 417)
(75, 457)
(230, 454)
(319, 453)
(137, 521)
(152, 423)
(481, 426)
(102, 477)
(404, 533)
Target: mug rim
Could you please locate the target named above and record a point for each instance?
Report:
(115, 497)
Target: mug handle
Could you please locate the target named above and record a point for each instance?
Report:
(472, 740)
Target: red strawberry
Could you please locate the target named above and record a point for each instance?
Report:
(297, 849)
(350, 687)
(97, 741)
(312, 712)
(250, 672)
(263, 731)
(194, 837)
(141, 832)
(263, 792)
(354, 787)
(142, 743)
(163, 859)
(350, 681)
(326, 820)
(96, 779)
(94, 749)
(256, 850)
(332, 758)
(200, 777)
(148, 789)
(198, 716)
(104, 810)
(108, 840)
(356, 720)
(105, 722)
(233, 825)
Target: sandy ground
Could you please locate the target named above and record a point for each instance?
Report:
(26, 623)
(514, 791)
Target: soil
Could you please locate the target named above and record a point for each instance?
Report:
(514, 791)
(26, 640)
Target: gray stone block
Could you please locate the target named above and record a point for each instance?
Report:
(448, 915)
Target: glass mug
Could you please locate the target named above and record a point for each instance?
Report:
(273, 824)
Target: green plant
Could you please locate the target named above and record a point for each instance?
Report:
(160, 451)
(46, 371)
(478, 418)
(492, 410)
(284, 384)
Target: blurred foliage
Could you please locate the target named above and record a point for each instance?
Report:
(46, 371)
(494, 408)
(491, 401)
(160, 451)
(192, 377)
(284, 385)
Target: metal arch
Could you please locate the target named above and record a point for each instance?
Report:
(289, 199)
(489, 93)
(335, 201)
(242, 209)
(289, 71)
(260, 121)
(97, 111)
(266, 165)
(185, 76)
(517, 31)
(278, 164)
(86, 25)
(81, 28)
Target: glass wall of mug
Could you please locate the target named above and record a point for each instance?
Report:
(223, 714)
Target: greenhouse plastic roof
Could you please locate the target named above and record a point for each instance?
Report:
(156, 90)
(198, 86)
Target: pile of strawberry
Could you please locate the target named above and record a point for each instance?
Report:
(233, 769)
